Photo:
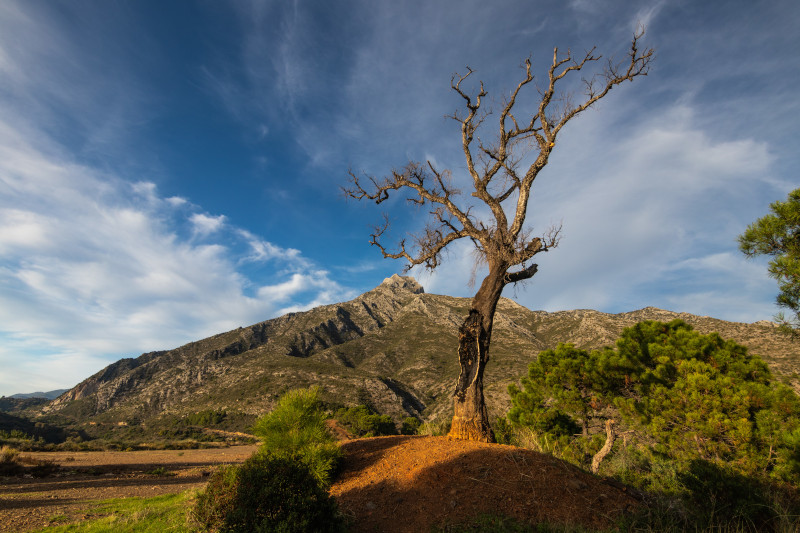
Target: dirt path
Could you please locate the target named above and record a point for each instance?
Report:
(86, 477)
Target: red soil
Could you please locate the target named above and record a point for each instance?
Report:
(409, 484)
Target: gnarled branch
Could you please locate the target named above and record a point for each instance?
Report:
(499, 178)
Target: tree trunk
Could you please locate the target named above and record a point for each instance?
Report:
(599, 456)
(470, 417)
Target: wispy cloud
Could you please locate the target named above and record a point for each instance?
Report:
(205, 225)
(643, 211)
(96, 267)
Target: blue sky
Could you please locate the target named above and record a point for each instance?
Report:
(172, 170)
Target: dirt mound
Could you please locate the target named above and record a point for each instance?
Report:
(409, 484)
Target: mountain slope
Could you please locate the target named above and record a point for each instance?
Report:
(394, 346)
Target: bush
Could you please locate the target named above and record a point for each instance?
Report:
(267, 493)
(722, 495)
(363, 421)
(436, 427)
(205, 418)
(9, 461)
(13, 464)
(410, 425)
(296, 430)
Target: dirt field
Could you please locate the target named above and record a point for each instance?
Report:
(86, 477)
(389, 484)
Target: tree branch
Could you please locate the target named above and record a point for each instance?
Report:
(499, 177)
(521, 275)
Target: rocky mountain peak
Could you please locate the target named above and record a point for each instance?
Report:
(405, 283)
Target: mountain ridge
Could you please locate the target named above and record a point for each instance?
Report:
(48, 395)
(393, 346)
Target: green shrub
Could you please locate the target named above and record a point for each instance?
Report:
(296, 430)
(266, 494)
(205, 418)
(436, 427)
(410, 425)
(9, 461)
(363, 421)
(8, 454)
(719, 494)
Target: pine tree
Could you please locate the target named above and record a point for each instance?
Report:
(778, 235)
(686, 395)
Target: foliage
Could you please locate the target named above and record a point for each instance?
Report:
(296, 430)
(435, 427)
(363, 421)
(8, 454)
(694, 396)
(14, 464)
(9, 461)
(15, 434)
(267, 494)
(778, 235)
(205, 418)
(161, 471)
(410, 425)
(702, 419)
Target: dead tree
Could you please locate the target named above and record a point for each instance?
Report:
(503, 184)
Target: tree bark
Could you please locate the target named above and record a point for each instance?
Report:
(470, 416)
(606, 449)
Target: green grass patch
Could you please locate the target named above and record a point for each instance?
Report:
(160, 471)
(169, 512)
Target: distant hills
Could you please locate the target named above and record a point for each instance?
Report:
(50, 395)
(393, 346)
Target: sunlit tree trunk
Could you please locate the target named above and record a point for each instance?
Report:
(470, 417)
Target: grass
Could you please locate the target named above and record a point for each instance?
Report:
(160, 471)
(169, 512)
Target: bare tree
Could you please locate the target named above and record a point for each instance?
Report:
(503, 183)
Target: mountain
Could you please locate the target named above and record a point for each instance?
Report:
(50, 395)
(394, 346)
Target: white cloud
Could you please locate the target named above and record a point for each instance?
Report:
(261, 250)
(205, 225)
(94, 268)
(176, 201)
(45, 372)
